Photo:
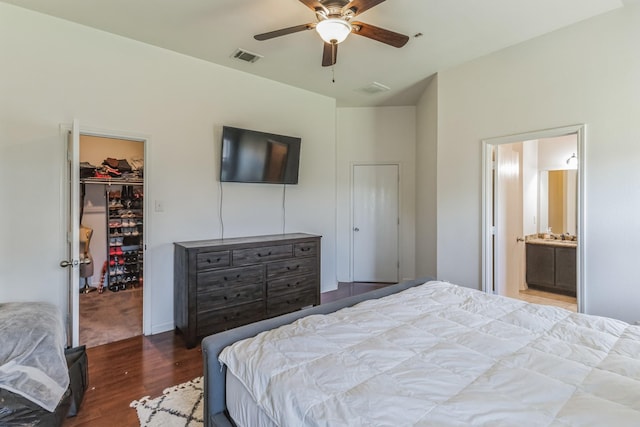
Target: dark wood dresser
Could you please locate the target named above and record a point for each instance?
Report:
(224, 283)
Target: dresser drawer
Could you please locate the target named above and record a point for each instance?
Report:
(291, 267)
(215, 298)
(230, 277)
(290, 302)
(291, 284)
(220, 320)
(221, 284)
(305, 249)
(261, 254)
(215, 259)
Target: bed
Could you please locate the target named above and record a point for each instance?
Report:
(34, 366)
(423, 354)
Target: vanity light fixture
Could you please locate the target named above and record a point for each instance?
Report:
(573, 160)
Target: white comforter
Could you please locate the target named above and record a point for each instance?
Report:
(443, 355)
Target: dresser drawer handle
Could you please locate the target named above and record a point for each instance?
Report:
(294, 268)
(227, 279)
(305, 249)
(260, 255)
(217, 260)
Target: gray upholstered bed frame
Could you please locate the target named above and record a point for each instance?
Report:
(215, 407)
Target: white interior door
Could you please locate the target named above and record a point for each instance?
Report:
(72, 263)
(375, 223)
(508, 210)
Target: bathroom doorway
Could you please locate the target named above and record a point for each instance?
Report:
(516, 211)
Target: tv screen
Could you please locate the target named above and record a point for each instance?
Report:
(258, 157)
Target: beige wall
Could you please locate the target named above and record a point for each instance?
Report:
(54, 71)
(593, 81)
(374, 135)
(95, 149)
(426, 179)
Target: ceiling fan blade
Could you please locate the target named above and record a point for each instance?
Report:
(359, 6)
(312, 4)
(329, 54)
(379, 34)
(284, 31)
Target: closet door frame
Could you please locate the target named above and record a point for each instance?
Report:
(74, 307)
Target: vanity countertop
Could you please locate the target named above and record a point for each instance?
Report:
(553, 242)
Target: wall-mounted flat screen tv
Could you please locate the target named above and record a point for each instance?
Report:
(259, 157)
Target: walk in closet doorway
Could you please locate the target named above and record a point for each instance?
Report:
(112, 218)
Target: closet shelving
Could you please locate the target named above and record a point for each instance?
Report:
(124, 222)
(125, 226)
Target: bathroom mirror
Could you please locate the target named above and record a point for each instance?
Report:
(557, 201)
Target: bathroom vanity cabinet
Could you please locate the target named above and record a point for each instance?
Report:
(551, 266)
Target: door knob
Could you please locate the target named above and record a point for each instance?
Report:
(65, 263)
(356, 229)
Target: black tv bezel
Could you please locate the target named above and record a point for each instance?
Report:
(290, 140)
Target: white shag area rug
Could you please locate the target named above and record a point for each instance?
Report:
(179, 406)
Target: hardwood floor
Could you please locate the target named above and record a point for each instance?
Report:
(127, 370)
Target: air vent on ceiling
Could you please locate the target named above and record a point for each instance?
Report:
(245, 55)
(374, 88)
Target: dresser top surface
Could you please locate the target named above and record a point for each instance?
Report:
(273, 238)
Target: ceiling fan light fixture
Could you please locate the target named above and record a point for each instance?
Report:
(333, 30)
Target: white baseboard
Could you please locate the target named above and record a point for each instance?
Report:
(162, 327)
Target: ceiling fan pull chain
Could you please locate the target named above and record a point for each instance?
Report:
(333, 61)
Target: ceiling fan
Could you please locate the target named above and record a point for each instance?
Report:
(335, 24)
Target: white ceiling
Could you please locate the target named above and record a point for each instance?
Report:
(454, 31)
